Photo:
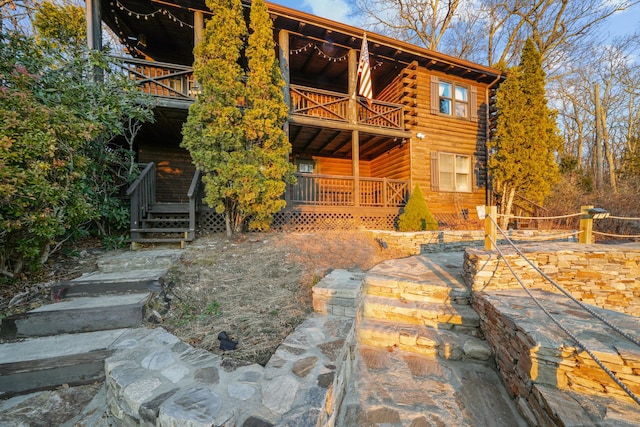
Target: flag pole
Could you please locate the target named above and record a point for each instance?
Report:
(364, 72)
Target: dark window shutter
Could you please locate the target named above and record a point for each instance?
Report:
(435, 173)
(473, 104)
(435, 95)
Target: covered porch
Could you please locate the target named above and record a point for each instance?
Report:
(335, 138)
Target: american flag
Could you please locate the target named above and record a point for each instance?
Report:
(364, 72)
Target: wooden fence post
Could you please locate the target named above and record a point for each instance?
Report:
(490, 233)
(586, 225)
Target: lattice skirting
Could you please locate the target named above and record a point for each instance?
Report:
(300, 221)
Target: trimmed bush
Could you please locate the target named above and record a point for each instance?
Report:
(416, 215)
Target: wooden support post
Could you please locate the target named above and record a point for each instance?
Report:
(586, 225)
(353, 119)
(198, 27)
(283, 56)
(490, 231)
(94, 24)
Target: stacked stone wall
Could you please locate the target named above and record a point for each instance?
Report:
(415, 243)
(606, 276)
(538, 363)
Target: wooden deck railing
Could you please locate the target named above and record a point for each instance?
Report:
(177, 82)
(328, 190)
(142, 194)
(306, 101)
(159, 78)
(194, 194)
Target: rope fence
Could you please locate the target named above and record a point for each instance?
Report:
(587, 215)
(540, 218)
(575, 339)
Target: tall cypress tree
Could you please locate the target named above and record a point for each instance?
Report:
(523, 150)
(242, 150)
(267, 145)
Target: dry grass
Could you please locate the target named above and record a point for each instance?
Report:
(257, 288)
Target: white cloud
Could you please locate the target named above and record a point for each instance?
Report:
(338, 10)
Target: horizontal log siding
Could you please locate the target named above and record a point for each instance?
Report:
(174, 171)
(394, 164)
(445, 134)
(339, 167)
(391, 93)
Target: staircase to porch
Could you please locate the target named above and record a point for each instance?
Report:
(153, 222)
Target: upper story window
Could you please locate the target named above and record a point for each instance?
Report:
(453, 99)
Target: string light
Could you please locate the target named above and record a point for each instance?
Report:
(146, 16)
(319, 51)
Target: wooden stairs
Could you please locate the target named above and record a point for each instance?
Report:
(164, 223)
(153, 222)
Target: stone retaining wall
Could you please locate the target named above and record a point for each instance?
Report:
(415, 243)
(545, 372)
(607, 276)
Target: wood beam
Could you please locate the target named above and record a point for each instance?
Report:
(283, 53)
(94, 24)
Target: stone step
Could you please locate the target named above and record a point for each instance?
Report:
(414, 290)
(423, 340)
(147, 260)
(395, 388)
(46, 362)
(461, 318)
(84, 314)
(97, 288)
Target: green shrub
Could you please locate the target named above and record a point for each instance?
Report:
(416, 215)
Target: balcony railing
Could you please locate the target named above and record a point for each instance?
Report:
(159, 78)
(324, 104)
(177, 82)
(328, 190)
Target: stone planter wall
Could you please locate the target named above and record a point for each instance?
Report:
(415, 243)
(607, 276)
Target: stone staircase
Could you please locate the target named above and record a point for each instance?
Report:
(421, 359)
(67, 342)
(426, 312)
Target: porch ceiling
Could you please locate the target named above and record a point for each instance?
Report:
(162, 30)
(335, 143)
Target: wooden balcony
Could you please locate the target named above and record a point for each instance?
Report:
(174, 85)
(322, 104)
(328, 190)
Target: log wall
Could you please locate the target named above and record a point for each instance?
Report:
(444, 133)
(174, 171)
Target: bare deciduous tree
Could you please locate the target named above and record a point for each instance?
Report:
(418, 21)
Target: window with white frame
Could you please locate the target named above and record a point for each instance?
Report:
(451, 172)
(305, 165)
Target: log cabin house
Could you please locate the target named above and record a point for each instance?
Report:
(356, 164)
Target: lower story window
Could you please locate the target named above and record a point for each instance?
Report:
(450, 172)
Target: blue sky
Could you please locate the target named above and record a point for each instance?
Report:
(338, 10)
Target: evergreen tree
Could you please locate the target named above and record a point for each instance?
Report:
(523, 150)
(213, 133)
(267, 145)
(243, 151)
(416, 215)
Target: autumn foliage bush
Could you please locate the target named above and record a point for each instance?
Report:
(60, 172)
